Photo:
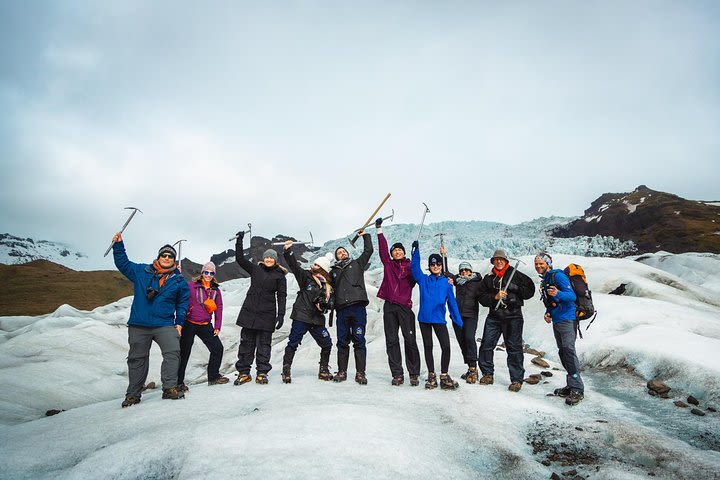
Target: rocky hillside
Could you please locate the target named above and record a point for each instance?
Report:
(17, 250)
(652, 220)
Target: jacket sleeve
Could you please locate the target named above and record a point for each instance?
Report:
(123, 263)
(183, 297)
(281, 296)
(383, 248)
(565, 290)
(452, 306)
(219, 311)
(295, 267)
(244, 263)
(364, 257)
(486, 295)
(527, 286)
(415, 268)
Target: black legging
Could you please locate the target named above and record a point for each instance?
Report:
(441, 332)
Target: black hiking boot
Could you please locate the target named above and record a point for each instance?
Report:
(431, 381)
(324, 373)
(219, 380)
(184, 388)
(130, 400)
(447, 383)
(464, 375)
(414, 381)
(486, 380)
(361, 378)
(574, 398)
(261, 378)
(340, 377)
(172, 393)
(562, 392)
(286, 374)
(471, 375)
(242, 378)
(397, 380)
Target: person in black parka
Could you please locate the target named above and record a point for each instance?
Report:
(505, 319)
(348, 276)
(313, 300)
(259, 316)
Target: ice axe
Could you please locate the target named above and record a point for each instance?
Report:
(179, 244)
(370, 220)
(427, 210)
(442, 245)
(134, 211)
(249, 230)
(311, 242)
(389, 217)
(517, 262)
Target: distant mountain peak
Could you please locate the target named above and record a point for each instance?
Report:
(16, 250)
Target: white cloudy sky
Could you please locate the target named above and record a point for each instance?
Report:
(301, 115)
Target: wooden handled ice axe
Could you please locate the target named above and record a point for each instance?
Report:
(311, 242)
(517, 262)
(390, 217)
(249, 230)
(370, 220)
(134, 211)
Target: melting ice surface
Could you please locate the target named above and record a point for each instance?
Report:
(667, 325)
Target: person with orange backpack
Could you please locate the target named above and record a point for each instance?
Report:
(559, 297)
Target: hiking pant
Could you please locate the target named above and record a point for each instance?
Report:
(441, 332)
(254, 345)
(206, 333)
(398, 317)
(512, 330)
(318, 332)
(351, 322)
(466, 340)
(140, 340)
(565, 336)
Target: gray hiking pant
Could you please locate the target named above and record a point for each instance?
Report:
(565, 335)
(140, 340)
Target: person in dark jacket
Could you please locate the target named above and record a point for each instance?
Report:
(314, 299)
(559, 299)
(396, 289)
(350, 298)
(262, 312)
(467, 294)
(435, 293)
(504, 298)
(205, 302)
(157, 314)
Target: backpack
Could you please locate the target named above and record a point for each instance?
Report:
(584, 307)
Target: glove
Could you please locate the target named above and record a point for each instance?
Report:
(378, 222)
(240, 236)
(280, 321)
(415, 245)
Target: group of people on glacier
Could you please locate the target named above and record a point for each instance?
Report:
(172, 312)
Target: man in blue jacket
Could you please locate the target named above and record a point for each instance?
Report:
(559, 299)
(157, 314)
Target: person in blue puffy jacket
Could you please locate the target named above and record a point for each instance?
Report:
(435, 293)
(158, 311)
(559, 298)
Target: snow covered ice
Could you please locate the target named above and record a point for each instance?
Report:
(667, 325)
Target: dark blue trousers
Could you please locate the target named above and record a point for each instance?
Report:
(512, 331)
(351, 323)
(318, 332)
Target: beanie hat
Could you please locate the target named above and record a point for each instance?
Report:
(397, 245)
(167, 249)
(208, 267)
(270, 253)
(545, 257)
(499, 253)
(465, 266)
(336, 251)
(435, 258)
(323, 262)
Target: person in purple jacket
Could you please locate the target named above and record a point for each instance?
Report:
(396, 290)
(205, 301)
(435, 292)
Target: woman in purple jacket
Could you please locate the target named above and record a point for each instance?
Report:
(205, 301)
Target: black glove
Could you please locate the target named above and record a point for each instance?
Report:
(415, 245)
(280, 321)
(378, 222)
(240, 236)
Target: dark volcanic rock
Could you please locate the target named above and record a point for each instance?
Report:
(711, 409)
(681, 404)
(698, 412)
(546, 373)
(693, 400)
(658, 387)
(52, 412)
(540, 362)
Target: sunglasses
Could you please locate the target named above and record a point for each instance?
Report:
(167, 255)
(209, 274)
(435, 264)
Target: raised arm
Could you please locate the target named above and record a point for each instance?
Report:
(415, 268)
(122, 262)
(294, 266)
(383, 248)
(244, 263)
(364, 257)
